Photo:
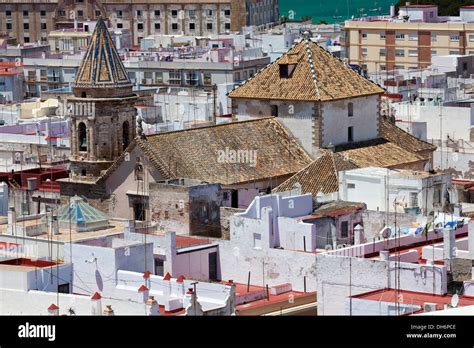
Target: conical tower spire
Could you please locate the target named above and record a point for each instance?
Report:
(101, 67)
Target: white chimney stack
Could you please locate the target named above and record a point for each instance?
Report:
(384, 255)
(11, 219)
(96, 304)
(53, 310)
(449, 245)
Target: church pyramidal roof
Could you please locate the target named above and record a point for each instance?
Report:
(307, 72)
(101, 66)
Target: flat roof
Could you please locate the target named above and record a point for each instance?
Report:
(66, 234)
(413, 298)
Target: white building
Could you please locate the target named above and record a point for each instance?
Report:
(403, 191)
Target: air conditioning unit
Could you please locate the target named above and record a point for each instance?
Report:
(429, 307)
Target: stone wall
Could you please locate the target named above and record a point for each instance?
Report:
(225, 214)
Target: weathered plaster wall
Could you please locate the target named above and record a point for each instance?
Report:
(336, 120)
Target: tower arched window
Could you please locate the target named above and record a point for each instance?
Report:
(82, 136)
(125, 134)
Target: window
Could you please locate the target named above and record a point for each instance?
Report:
(471, 38)
(9, 26)
(139, 13)
(119, 13)
(453, 52)
(140, 26)
(209, 26)
(159, 267)
(63, 288)
(412, 53)
(26, 26)
(399, 53)
(207, 78)
(175, 78)
(350, 134)
(192, 13)
(434, 53)
(159, 77)
(210, 12)
(437, 196)
(227, 26)
(413, 37)
(344, 229)
(454, 37)
(80, 13)
(227, 13)
(97, 13)
(400, 36)
(433, 37)
(274, 110)
(125, 135)
(192, 26)
(8, 13)
(257, 241)
(43, 13)
(413, 199)
(350, 109)
(157, 26)
(26, 39)
(364, 52)
(351, 186)
(364, 35)
(62, 13)
(382, 52)
(82, 136)
(174, 13)
(25, 13)
(157, 13)
(174, 26)
(119, 25)
(43, 26)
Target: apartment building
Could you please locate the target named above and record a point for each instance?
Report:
(32, 20)
(409, 40)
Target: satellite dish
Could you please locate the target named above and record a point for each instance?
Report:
(455, 300)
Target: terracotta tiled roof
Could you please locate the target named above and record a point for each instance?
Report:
(377, 153)
(194, 153)
(334, 79)
(101, 65)
(320, 176)
(338, 208)
(403, 139)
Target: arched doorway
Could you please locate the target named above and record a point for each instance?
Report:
(82, 136)
(125, 134)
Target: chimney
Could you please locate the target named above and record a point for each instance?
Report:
(152, 307)
(96, 304)
(358, 234)
(11, 216)
(392, 10)
(449, 245)
(143, 290)
(108, 311)
(55, 225)
(53, 310)
(384, 255)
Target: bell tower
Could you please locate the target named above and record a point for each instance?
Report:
(102, 112)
